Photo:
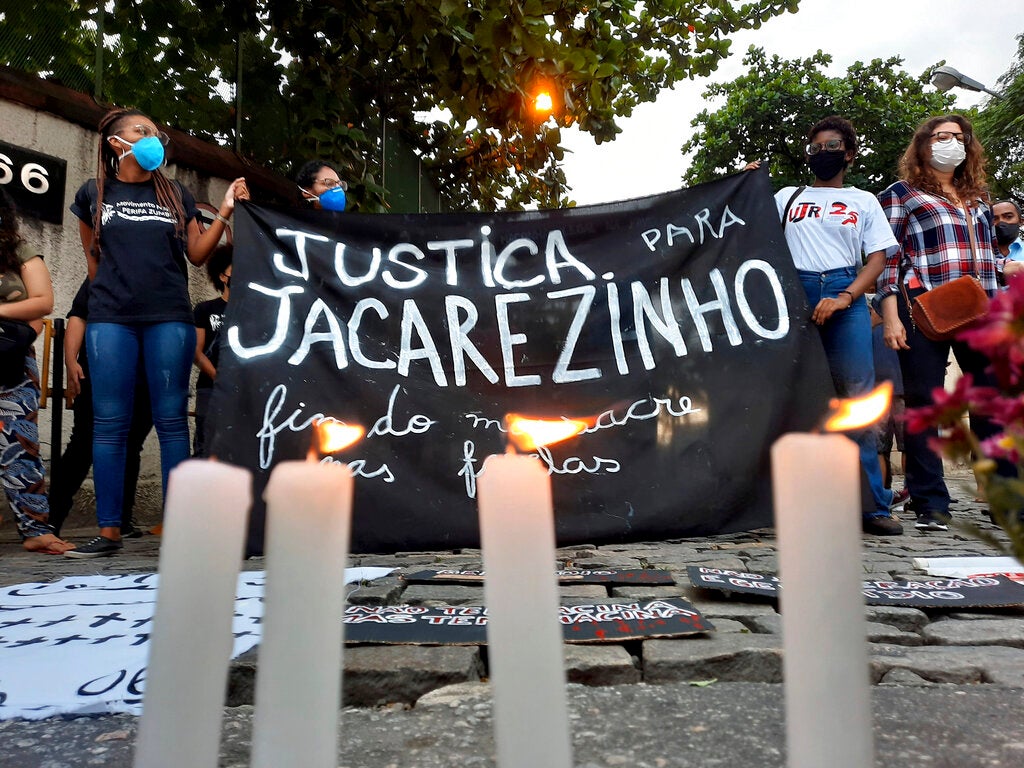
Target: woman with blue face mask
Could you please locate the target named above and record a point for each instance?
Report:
(321, 186)
(138, 228)
(944, 231)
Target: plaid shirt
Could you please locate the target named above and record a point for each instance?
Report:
(935, 246)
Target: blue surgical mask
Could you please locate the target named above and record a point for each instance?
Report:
(333, 199)
(148, 151)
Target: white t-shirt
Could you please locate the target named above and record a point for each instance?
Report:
(831, 227)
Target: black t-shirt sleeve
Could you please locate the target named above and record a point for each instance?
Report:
(84, 202)
(80, 304)
(188, 203)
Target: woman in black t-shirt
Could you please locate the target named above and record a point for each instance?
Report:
(138, 227)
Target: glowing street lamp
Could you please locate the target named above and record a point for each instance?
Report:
(543, 104)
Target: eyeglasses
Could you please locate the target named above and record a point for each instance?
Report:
(145, 132)
(825, 146)
(331, 183)
(947, 135)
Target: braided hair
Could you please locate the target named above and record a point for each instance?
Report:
(167, 192)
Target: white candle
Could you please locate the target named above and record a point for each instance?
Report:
(190, 645)
(298, 678)
(524, 637)
(825, 662)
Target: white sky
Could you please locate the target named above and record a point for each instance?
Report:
(978, 39)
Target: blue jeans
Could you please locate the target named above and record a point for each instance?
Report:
(846, 337)
(115, 351)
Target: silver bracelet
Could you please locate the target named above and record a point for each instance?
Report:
(222, 219)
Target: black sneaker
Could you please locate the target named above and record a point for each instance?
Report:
(131, 532)
(98, 547)
(933, 520)
(882, 525)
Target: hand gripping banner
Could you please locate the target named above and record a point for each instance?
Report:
(675, 323)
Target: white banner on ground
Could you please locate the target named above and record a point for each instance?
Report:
(965, 567)
(79, 645)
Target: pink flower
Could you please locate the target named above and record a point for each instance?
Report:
(947, 410)
(1000, 334)
(953, 442)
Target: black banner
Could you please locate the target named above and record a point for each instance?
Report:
(647, 577)
(929, 592)
(675, 322)
(467, 624)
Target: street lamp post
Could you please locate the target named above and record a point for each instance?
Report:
(944, 78)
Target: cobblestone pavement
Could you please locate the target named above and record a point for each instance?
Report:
(976, 651)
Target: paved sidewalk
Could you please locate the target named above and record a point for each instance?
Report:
(950, 685)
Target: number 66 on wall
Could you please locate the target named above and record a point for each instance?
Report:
(34, 181)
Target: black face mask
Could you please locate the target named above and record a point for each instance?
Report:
(827, 164)
(1007, 233)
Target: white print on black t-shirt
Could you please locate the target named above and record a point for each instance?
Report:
(216, 321)
(133, 211)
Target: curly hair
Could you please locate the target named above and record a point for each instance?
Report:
(969, 178)
(219, 261)
(167, 193)
(10, 238)
(840, 125)
(307, 173)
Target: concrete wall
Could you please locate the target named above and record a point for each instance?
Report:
(61, 246)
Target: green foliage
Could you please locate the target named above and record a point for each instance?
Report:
(768, 110)
(326, 77)
(1000, 127)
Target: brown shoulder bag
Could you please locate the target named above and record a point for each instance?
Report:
(947, 309)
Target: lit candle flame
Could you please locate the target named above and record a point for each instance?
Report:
(859, 412)
(333, 436)
(528, 433)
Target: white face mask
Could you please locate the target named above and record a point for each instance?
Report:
(947, 155)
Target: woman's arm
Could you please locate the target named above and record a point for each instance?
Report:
(863, 283)
(39, 303)
(74, 337)
(202, 362)
(201, 243)
(85, 233)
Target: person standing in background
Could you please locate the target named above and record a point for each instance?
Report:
(321, 186)
(838, 236)
(1007, 220)
(944, 231)
(26, 297)
(209, 318)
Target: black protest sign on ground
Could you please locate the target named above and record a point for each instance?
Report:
(467, 624)
(974, 592)
(644, 576)
(676, 323)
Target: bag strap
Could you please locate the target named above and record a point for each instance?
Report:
(974, 242)
(974, 253)
(793, 197)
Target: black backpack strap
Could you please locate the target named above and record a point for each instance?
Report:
(785, 212)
